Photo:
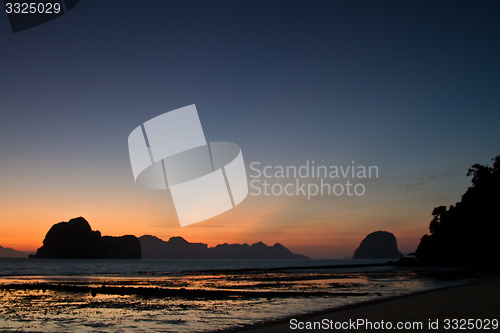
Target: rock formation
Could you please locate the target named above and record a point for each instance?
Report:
(378, 245)
(75, 239)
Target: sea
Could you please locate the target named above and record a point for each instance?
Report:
(59, 295)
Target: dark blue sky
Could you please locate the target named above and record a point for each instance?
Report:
(411, 86)
(347, 75)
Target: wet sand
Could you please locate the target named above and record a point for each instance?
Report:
(478, 300)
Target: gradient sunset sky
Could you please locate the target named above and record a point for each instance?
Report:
(412, 87)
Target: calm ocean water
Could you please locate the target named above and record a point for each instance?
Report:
(130, 268)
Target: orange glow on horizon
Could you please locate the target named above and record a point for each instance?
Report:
(320, 229)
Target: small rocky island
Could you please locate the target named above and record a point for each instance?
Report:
(378, 245)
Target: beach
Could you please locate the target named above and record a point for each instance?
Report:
(476, 300)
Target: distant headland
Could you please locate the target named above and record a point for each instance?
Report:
(179, 248)
(7, 252)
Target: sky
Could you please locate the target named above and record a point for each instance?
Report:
(410, 87)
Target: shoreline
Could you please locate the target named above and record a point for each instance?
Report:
(472, 300)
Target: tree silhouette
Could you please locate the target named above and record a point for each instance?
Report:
(466, 233)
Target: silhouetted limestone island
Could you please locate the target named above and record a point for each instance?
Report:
(75, 239)
(7, 252)
(179, 248)
(378, 245)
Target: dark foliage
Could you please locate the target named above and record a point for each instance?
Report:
(467, 232)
